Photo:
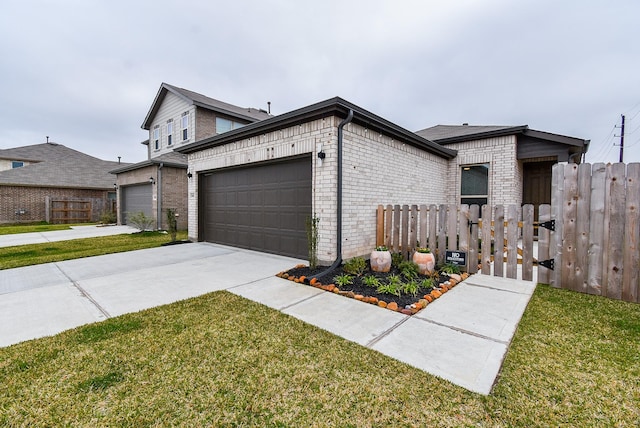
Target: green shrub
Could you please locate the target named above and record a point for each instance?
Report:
(172, 223)
(371, 281)
(396, 259)
(140, 221)
(409, 269)
(108, 217)
(355, 266)
(343, 280)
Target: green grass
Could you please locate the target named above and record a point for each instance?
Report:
(32, 254)
(220, 360)
(10, 229)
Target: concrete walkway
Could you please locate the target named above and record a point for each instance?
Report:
(76, 232)
(462, 337)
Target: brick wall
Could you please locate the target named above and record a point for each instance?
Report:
(505, 171)
(31, 201)
(376, 169)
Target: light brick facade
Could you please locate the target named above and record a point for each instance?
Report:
(376, 169)
(505, 171)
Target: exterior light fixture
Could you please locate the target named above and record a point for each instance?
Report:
(115, 186)
(189, 175)
(152, 180)
(321, 155)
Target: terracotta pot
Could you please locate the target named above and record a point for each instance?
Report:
(425, 261)
(380, 261)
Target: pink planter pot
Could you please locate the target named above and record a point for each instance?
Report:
(426, 262)
(380, 261)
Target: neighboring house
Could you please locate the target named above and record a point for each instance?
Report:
(177, 117)
(256, 187)
(33, 179)
(503, 164)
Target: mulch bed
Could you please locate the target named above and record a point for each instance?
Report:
(405, 303)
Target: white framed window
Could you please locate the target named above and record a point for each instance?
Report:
(474, 184)
(169, 132)
(17, 164)
(185, 126)
(156, 137)
(225, 125)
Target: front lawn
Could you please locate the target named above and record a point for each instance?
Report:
(32, 254)
(10, 229)
(221, 360)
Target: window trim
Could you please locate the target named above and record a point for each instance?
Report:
(475, 196)
(169, 132)
(156, 137)
(185, 126)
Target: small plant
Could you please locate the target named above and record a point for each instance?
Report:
(355, 266)
(393, 286)
(343, 280)
(312, 240)
(371, 281)
(140, 221)
(450, 268)
(381, 248)
(108, 217)
(423, 250)
(426, 283)
(411, 287)
(172, 223)
(396, 259)
(409, 269)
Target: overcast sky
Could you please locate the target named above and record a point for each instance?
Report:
(85, 72)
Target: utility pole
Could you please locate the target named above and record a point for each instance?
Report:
(622, 139)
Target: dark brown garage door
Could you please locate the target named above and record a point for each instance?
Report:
(261, 207)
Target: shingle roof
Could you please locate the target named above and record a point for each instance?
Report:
(58, 166)
(247, 113)
(447, 134)
(333, 106)
(172, 159)
(442, 133)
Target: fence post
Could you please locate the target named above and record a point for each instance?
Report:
(423, 225)
(544, 214)
(498, 247)
(630, 271)
(596, 230)
(413, 232)
(512, 241)
(405, 231)
(442, 233)
(396, 228)
(485, 255)
(474, 213)
(380, 225)
(582, 226)
(616, 208)
(387, 227)
(463, 227)
(557, 196)
(569, 216)
(433, 231)
(527, 242)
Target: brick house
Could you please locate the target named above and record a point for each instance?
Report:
(177, 117)
(503, 164)
(32, 178)
(254, 187)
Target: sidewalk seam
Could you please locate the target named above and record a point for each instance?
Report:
(84, 292)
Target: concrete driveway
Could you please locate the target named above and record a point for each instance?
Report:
(462, 337)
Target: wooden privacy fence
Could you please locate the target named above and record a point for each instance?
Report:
(69, 211)
(596, 242)
(463, 228)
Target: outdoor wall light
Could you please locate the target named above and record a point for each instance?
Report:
(115, 186)
(152, 180)
(189, 175)
(321, 155)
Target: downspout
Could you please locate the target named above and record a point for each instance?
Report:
(338, 259)
(159, 196)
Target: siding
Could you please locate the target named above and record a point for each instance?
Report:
(172, 107)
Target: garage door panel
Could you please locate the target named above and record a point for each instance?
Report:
(264, 207)
(135, 199)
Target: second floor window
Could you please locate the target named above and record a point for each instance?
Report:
(225, 125)
(185, 126)
(17, 164)
(169, 132)
(156, 137)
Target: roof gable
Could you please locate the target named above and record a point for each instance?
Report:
(57, 166)
(193, 98)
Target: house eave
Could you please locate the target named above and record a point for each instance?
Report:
(331, 107)
(147, 163)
